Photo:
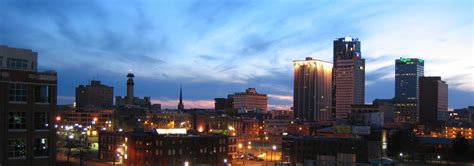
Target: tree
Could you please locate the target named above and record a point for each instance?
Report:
(460, 145)
(402, 141)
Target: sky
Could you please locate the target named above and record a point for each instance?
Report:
(215, 48)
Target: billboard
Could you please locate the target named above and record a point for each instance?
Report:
(362, 130)
(342, 129)
(171, 131)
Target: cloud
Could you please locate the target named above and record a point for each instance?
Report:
(173, 104)
(248, 43)
(65, 99)
(281, 97)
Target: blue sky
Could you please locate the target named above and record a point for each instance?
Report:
(214, 48)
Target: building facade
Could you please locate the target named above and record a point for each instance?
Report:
(168, 150)
(250, 100)
(224, 103)
(312, 90)
(348, 76)
(94, 95)
(324, 151)
(433, 99)
(367, 115)
(27, 104)
(407, 74)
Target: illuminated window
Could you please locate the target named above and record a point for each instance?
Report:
(17, 120)
(16, 148)
(41, 147)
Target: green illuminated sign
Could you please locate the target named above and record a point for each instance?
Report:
(406, 60)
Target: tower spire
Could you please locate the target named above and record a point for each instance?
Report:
(180, 105)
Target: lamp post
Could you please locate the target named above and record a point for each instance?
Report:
(240, 146)
(274, 147)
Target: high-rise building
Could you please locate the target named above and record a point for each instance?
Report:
(348, 76)
(312, 90)
(407, 74)
(94, 95)
(27, 104)
(433, 99)
(250, 100)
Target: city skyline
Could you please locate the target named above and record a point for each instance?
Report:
(211, 59)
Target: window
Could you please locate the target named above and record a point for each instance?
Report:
(15, 63)
(41, 147)
(42, 94)
(17, 120)
(18, 92)
(41, 120)
(16, 147)
(1, 61)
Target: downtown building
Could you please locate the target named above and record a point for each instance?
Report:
(312, 90)
(248, 101)
(407, 84)
(164, 147)
(348, 76)
(433, 99)
(94, 95)
(27, 104)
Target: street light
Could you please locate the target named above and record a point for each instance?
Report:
(240, 146)
(186, 163)
(274, 147)
(401, 154)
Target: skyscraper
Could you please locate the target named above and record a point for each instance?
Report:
(407, 74)
(312, 89)
(348, 76)
(433, 99)
(27, 104)
(180, 104)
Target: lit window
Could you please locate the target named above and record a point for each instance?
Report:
(17, 120)
(41, 147)
(16, 148)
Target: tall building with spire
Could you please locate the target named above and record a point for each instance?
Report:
(180, 104)
(348, 76)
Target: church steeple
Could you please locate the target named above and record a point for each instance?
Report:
(180, 105)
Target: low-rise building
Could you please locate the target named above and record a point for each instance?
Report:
(147, 148)
(321, 150)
